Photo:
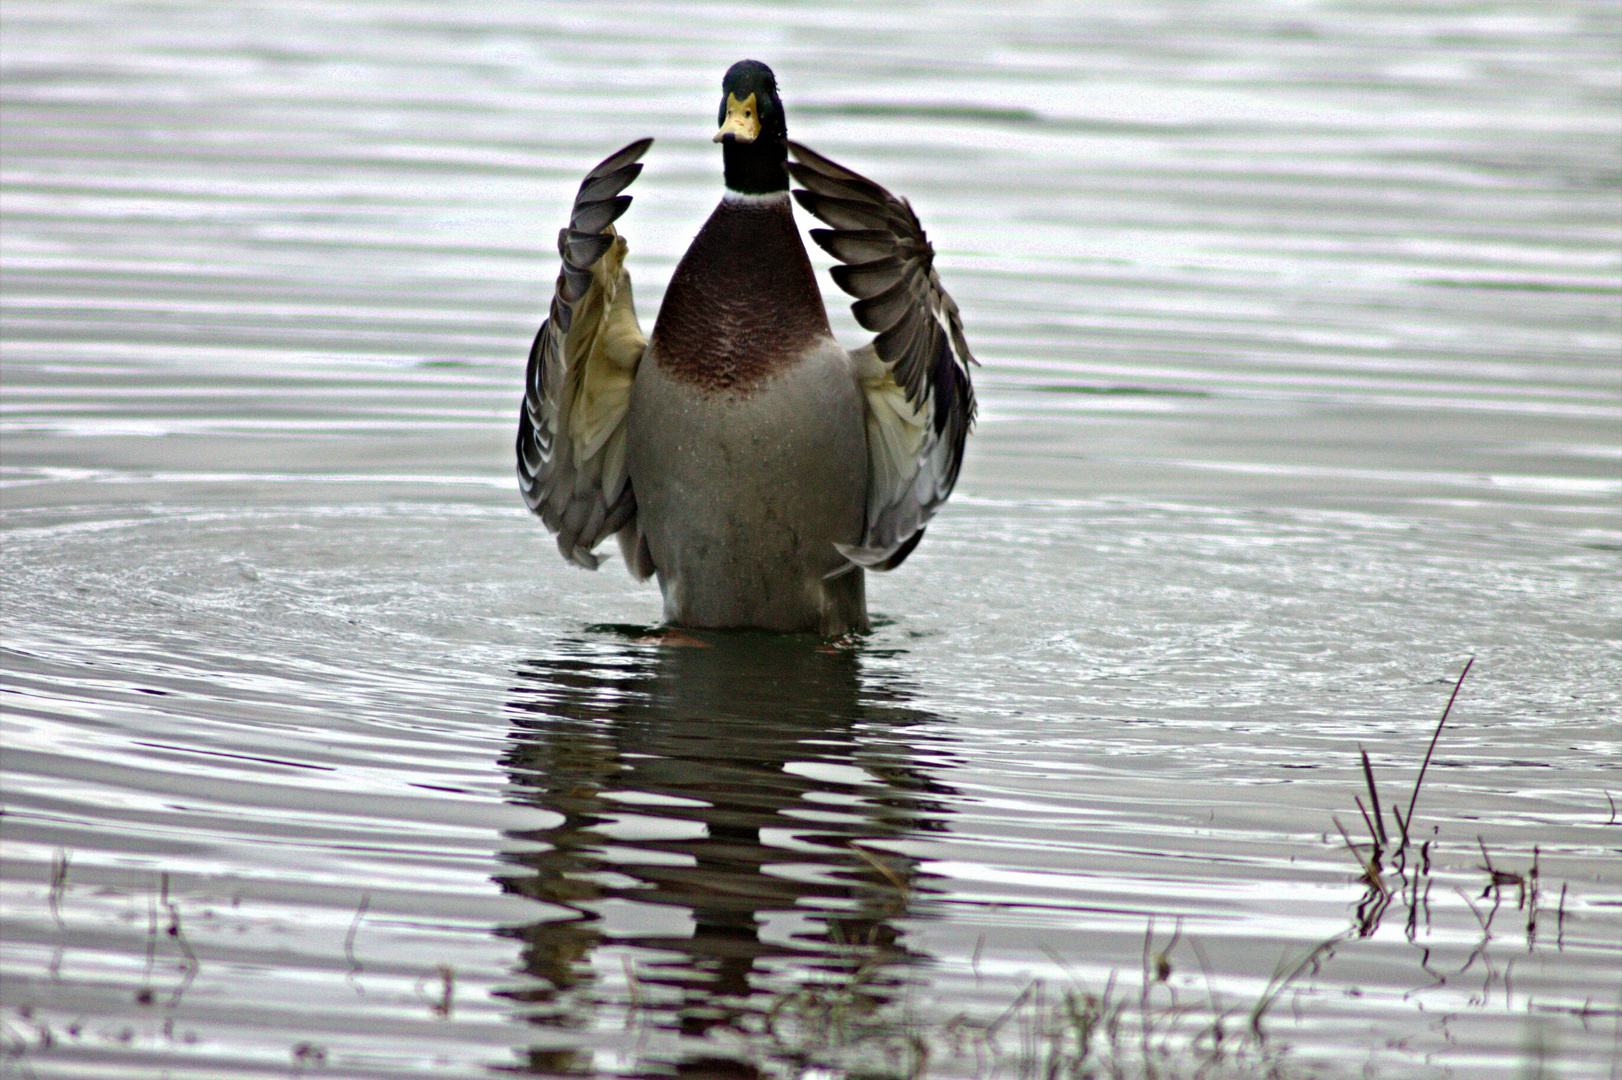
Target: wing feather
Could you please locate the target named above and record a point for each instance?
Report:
(915, 373)
(577, 389)
(867, 278)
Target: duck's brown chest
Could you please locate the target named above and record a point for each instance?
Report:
(743, 304)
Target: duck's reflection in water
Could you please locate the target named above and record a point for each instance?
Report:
(726, 802)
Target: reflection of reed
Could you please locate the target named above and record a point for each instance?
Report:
(714, 797)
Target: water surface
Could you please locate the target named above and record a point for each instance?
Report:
(1300, 326)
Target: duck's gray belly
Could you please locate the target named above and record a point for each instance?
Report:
(742, 496)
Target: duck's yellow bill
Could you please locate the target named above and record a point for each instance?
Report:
(742, 122)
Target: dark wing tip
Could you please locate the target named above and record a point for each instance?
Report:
(594, 217)
(846, 215)
(899, 555)
(618, 160)
(856, 245)
(807, 158)
(597, 199)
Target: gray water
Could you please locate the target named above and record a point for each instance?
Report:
(1300, 327)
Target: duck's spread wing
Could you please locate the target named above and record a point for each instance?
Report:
(571, 431)
(915, 373)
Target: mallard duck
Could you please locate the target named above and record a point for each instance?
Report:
(740, 453)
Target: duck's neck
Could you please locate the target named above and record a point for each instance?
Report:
(755, 168)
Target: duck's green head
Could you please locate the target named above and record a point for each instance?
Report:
(752, 130)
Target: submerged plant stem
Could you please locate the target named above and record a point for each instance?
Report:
(1420, 779)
